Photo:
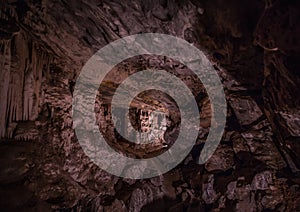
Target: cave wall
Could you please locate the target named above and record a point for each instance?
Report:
(254, 48)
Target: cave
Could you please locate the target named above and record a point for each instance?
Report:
(252, 46)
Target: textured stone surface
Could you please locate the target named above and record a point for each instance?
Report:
(222, 160)
(255, 49)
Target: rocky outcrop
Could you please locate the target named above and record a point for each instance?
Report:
(254, 48)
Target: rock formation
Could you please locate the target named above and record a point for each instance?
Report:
(255, 50)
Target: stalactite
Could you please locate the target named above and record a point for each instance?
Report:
(18, 66)
(7, 11)
(10, 130)
(5, 59)
(21, 72)
(27, 94)
(22, 52)
(26, 131)
(40, 58)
